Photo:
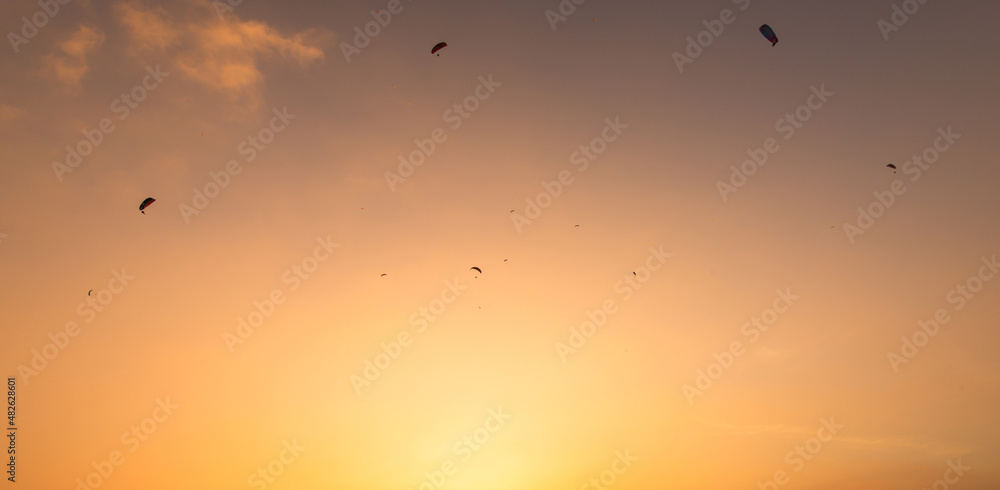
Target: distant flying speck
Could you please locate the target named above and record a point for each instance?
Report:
(893, 167)
(88, 292)
(383, 275)
(437, 47)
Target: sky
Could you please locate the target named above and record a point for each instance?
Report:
(696, 269)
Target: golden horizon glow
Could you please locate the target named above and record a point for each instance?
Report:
(695, 269)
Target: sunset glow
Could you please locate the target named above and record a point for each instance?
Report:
(584, 245)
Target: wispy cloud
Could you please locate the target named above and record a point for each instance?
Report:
(67, 64)
(10, 113)
(934, 448)
(223, 55)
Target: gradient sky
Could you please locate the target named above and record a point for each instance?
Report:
(166, 338)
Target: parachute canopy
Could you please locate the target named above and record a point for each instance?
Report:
(437, 47)
(145, 204)
(769, 34)
(477, 269)
(893, 167)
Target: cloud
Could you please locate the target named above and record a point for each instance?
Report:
(67, 64)
(223, 54)
(150, 29)
(770, 355)
(931, 448)
(747, 430)
(9, 113)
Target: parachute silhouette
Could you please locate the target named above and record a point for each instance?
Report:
(437, 47)
(769, 34)
(477, 269)
(893, 167)
(145, 204)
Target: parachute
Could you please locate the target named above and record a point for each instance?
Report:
(893, 167)
(145, 204)
(88, 292)
(437, 47)
(383, 275)
(769, 34)
(477, 269)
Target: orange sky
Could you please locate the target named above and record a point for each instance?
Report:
(656, 309)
